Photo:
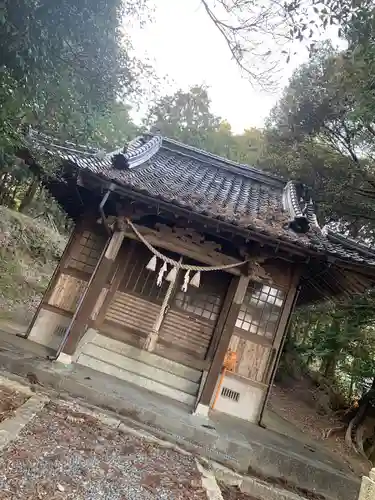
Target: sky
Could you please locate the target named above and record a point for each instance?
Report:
(183, 44)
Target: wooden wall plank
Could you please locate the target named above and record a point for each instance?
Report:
(186, 332)
(132, 312)
(67, 292)
(74, 236)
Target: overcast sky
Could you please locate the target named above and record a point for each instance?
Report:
(183, 44)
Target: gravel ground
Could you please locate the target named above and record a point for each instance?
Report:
(9, 401)
(65, 454)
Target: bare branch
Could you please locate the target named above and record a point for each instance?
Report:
(248, 28)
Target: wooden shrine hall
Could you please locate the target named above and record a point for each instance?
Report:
(184, 268)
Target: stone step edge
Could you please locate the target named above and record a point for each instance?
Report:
(250, 485)
(139, 376)
(132, 352)
(127, 366)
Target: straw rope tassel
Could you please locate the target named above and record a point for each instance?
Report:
(162, 271)
(196, 279)
(172, 275)
(151, 266)
(186, 281)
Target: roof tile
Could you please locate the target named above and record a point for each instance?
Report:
(206, 184)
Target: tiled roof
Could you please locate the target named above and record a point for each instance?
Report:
(240, 195)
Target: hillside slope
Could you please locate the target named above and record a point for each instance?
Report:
(29, 252)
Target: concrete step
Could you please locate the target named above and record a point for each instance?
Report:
(148, 358)
(140, 368)
(137, 378)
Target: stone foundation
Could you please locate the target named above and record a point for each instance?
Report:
(367, 491)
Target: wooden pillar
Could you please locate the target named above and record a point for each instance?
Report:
(96, 284)
(280, 338)
(124, 256)
(222, 318)
(281, 332)
(238, 290)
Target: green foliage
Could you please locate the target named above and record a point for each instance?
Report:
(184, 116)
(322, 132)
(114, 128)
(65, 70)
(50, 38)
(29, 251)
(66, 65)
(187, 117)
(338, 340)
(318, 133)
(19, 231)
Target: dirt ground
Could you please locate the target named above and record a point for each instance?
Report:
(295, 405)
(233, 493)
(9, 401)
(65, 454)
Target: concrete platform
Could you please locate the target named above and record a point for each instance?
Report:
(244, 447)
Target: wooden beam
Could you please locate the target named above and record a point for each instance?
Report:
(171, 240)
(97, 282)
(288, 304)
(92, 182)
(239, 291)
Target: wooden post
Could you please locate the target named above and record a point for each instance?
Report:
(222, 346)
(96, 284)
(279, 341)
(124, 256)
(222, 318)
(152, 337)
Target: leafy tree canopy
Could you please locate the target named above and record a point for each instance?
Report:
(187, 117)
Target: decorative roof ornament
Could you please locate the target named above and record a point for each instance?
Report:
(301, 212)
(133, 157)
(311, 215)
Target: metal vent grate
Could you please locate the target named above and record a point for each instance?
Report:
(59, 331)
(230, 394)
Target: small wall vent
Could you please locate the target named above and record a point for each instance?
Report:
(59, 331)
(230, 394)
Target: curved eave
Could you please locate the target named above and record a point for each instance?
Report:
(143, 153)
(303, 236)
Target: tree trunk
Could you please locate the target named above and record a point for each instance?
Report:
(14, 193)
(29, 196)
(4, 190)
(328, 366)
(352, 379)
